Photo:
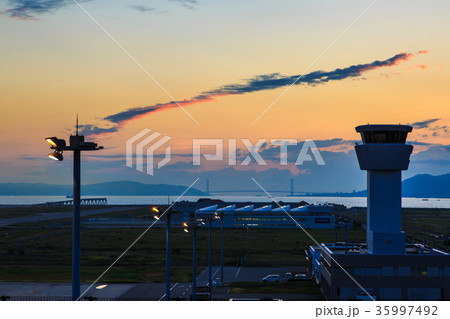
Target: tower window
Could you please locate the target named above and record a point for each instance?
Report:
(384, 137)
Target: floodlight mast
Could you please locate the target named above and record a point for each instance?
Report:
(77, 145)
(189, 226)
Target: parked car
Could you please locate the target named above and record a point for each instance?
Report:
(271, 278)
(298, 277)
(289, 276)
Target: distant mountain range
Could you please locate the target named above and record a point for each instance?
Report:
(421, 186)
(120, 188)
(425, 185)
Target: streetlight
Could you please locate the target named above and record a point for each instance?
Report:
(187, 227)
(57, 156)
(210, 214)
(77, 145)
(157, 216)
(221, 246)
(220, 213)
(156, 213)
(210, 218)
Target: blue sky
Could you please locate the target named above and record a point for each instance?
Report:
(224, 62)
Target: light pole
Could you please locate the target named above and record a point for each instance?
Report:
(210, 255)
(77, 145)
(210, 219)
(157, 216)
(168, 258)
(194, 265)
(246, 246)
(221, 248)
(210, 214)
(187, 227)
(221, 214)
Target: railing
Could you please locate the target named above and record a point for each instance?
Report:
(91, 298)
(68, 298)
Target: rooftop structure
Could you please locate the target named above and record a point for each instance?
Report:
(272, 216)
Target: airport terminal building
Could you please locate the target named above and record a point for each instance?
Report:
(309, 216)
(263, 215)
(422, 273)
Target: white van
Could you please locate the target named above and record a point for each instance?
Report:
(271, 278)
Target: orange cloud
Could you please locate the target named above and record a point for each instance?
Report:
(255, 84)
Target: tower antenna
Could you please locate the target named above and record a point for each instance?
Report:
(77, 125)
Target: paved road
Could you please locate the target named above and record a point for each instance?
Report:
(234, 274)
(287, 297)
(155, 291)
(52, 216)
(50, 289)
(144, 291)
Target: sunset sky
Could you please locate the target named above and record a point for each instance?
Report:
(225, 62)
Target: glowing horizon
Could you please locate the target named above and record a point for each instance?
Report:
(57, 62)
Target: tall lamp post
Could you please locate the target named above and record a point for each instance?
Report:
(210, 218)
(157, 216)
(77, 145)
(221, 214)
(208, 214)
(210, 253)
(221, 247)
(187, 227)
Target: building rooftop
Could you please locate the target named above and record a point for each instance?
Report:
(238, 208)
(340, 248)
(383, 127)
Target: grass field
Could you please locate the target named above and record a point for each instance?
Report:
(421, 225)
(42, 251)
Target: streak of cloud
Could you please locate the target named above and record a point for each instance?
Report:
(255, 84)
(424, 124)
(142, 8)
(29, 9)
(419, 66)
(189, 4)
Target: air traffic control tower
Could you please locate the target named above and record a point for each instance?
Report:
(384, 154)
(386, 266)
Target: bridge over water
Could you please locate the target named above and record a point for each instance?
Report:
(84, 202)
